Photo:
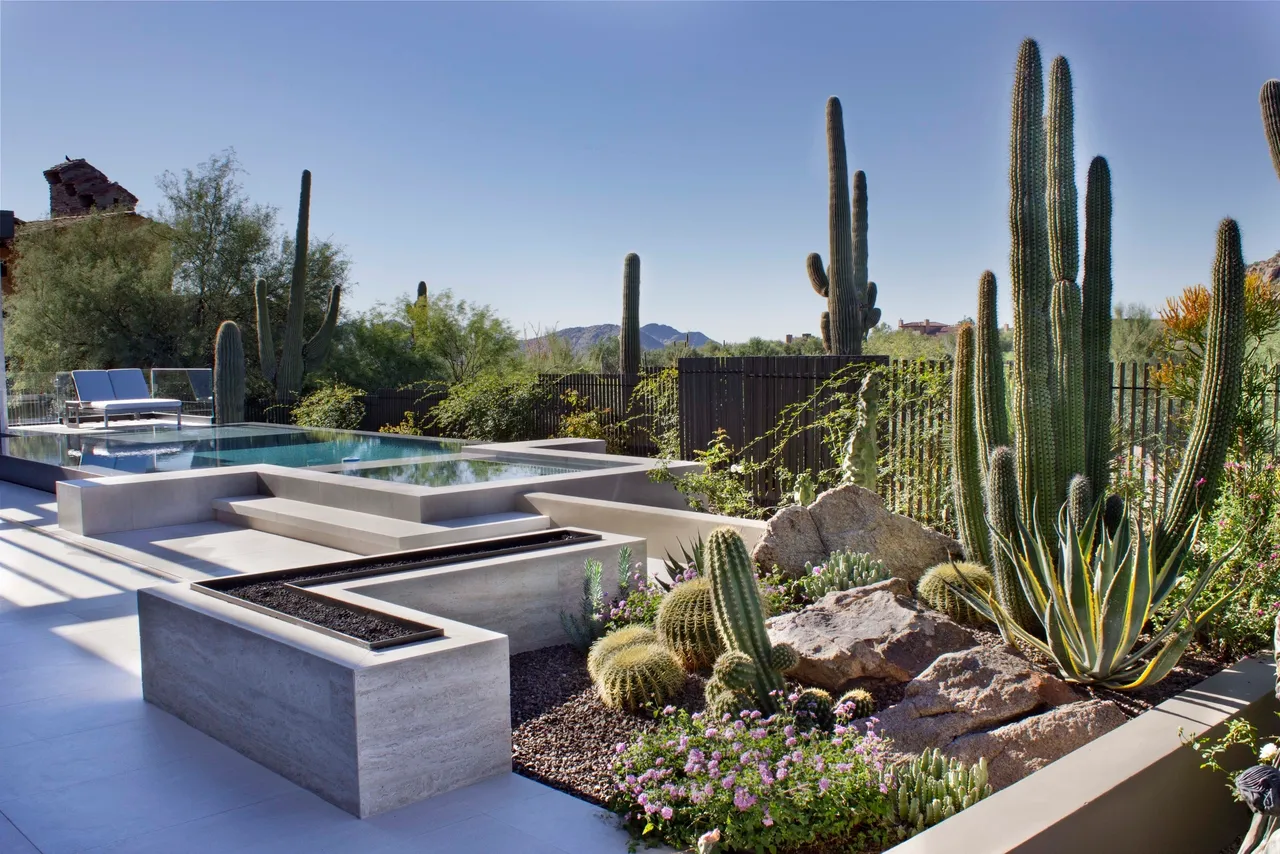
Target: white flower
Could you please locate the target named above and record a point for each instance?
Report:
(1268, 752)
(707, 842)
(735, 468)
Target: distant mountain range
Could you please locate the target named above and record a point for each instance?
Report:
(653, 336)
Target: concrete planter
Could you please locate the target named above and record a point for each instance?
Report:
(369, 731)
(1135, 789)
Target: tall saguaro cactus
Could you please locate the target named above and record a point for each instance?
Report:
(965, 450)
(1269, 99)
(228, 375)
(629, 334)
(1095, 325)
(989, 386)
(845, 284)
(288, 371)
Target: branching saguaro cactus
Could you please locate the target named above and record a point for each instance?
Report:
(851, 298)
(629, 334)
(1061, 399)
(228, 375)
(288, 371)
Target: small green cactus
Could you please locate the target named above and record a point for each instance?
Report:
(686, 624)
(860, 464)
(842, 571)
(728, 691)
(629, 349)
(618, 639)
(739, 616)
(638, 675)
(813, 708)
(938, 590)
(931, 788)
(855, 705)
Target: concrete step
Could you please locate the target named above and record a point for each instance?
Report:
(365, 533)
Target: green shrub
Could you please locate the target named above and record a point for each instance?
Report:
(491, 408)
(764, 783)
(337, 407)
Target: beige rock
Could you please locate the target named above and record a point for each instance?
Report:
(1015, 750)
(790, 540)
(850, 518)
(876, 632)
(965, 692)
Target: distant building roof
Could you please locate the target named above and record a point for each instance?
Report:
(927, 327)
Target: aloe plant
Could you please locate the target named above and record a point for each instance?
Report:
(1093, 592)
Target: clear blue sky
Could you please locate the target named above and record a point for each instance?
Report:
(516, 152)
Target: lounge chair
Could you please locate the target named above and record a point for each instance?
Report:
(116, 392)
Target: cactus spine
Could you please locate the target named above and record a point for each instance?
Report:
(938, 590)
(637, 675)
(287, 373)
(1079, 501)
(686, 624)
(629, 334)
(1095, 325)
(989, 392)
(1269, 99)
(1219, 397)
(850, 296)
(739, 618)
(970, 519)
(228, 375)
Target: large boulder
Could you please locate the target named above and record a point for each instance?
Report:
(1015, 750)
(965, 692)
(850, 518)
(872, 632)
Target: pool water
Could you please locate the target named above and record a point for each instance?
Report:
(459, 471)
(168, 448)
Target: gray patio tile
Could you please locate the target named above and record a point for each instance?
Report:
(92, 707)
(480, 833)
(110, 809)
(564, 821)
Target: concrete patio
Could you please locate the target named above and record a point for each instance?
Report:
(86, 765)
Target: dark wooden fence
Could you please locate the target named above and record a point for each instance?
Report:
(746, 397)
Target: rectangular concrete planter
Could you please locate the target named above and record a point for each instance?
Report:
(366, 731)
(1135, 790)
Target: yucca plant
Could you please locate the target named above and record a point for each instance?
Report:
(1093, 594)
(689, 565)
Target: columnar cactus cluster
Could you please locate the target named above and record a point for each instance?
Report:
(748, 675)
(228, 375)
(931, 788)
(851, 297)
(295, 354)
(1061, 396)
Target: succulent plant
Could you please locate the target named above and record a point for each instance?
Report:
(854, 705)
(931, 788)
(686, 624)
(295, 354)
(639, 675)
(228, 375)
(1060, 448)
(617, 639)
(739, 618)
(941, 589)
(691, 563)
(851, 297)
(860, 464)
(842, 571)
(813, 708)
(629, 334)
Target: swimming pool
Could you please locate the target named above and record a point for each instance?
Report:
(167, 448)
(163, 448)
